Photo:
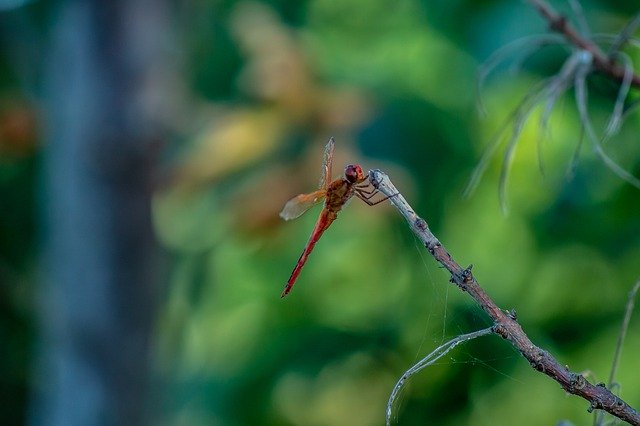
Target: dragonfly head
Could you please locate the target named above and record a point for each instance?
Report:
(353, 173)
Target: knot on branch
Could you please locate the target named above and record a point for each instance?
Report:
(462, 277)
(501, 330)
(616, 403)
(577, 381)
(373, 177)
(432, 246)
(467, 276)
(537, 361)
(558, 24)
(421, 224)
(619, 403)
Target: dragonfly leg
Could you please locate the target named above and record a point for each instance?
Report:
(363, 191)
(366, 196)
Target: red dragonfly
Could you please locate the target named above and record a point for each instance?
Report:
(335, 194)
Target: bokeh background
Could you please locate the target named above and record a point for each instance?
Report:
(146, 148)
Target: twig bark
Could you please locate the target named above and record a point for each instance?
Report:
(628, 310)
(505, 323)
(601, 61)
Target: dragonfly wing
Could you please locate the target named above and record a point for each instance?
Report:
(325, 178)
(299, 204)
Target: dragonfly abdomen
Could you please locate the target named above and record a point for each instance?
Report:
(326, 217)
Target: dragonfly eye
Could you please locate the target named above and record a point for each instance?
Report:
(353, 173)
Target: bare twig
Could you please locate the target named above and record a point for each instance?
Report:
(505, 323)
(524, 47)
(519, 116)
(435, 355)
(616, 115)
(601, 61)
(628, 310)
(623, 330)
(625, 35)
(581, 103)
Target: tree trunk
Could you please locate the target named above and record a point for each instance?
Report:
(99, 276)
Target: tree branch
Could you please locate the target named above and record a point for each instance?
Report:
(430, 359)
(623, 331)
(505, 323)
(601, 61)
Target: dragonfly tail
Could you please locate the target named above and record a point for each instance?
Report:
(296, 271)
(322, 224)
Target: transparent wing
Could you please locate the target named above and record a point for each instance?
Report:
(299, 204)
(325, 179)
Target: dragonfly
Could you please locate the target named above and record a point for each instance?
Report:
(335, 195)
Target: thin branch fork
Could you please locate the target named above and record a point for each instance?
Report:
(601, 61)
(505, 323)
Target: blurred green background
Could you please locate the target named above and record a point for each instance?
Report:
(261, 87)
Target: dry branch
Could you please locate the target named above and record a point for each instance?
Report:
(601, 61)
(505, 323)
